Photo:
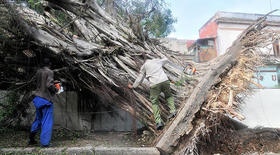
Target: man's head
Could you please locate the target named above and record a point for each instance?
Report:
(144, 55)
(46, 62)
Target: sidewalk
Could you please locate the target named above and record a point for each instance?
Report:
(87, 150)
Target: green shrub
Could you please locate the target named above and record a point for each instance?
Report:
(8, 106)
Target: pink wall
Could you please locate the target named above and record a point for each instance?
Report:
(189, 43)
(209, 30)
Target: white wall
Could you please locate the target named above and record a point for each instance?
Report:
(226, 35)
(179, 45)
(66, 115)
(66, 112)
(262, 108)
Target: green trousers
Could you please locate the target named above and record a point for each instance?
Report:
(154, 96)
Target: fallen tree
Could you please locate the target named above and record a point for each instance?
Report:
(95, 52)
(221, 91)
(102, 57)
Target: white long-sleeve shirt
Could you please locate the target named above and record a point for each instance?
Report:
(153, 71)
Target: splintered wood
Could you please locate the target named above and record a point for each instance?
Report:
(226, 96)
(105, 55)
(222, 87)
(91, 52)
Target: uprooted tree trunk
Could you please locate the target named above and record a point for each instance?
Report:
(97, 52)
(229, 76)
(182, 125)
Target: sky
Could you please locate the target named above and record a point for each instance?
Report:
(191, 15)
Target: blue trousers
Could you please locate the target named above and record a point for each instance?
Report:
(43, 119)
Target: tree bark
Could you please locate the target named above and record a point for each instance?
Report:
(183, 126)
(105, 57)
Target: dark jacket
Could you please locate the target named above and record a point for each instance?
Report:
(45, 84)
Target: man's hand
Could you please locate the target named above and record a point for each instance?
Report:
(129, 86)
(56, 81)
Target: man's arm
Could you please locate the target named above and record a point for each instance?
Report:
(140, 77)
(164, 61)
(50, 83)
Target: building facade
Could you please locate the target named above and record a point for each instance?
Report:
(224, 28)
(178, 45)
(220, 31)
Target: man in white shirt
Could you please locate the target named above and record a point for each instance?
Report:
(153, 71)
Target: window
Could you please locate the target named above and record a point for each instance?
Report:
(211, 43)
(268, 76)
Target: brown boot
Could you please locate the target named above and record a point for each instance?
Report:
(159, 126)
(172, 115)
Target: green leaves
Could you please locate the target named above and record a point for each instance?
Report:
(181, 81)
(160, 24)
(155, 17)
(36, 5)
(9, 100)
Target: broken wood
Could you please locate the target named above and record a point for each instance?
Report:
(105, 56)
(183, 127)
(102, 58)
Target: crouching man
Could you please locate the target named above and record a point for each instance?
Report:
(152, 69)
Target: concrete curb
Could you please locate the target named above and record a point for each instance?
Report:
(87, 150)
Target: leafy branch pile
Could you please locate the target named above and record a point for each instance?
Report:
(89, 50)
